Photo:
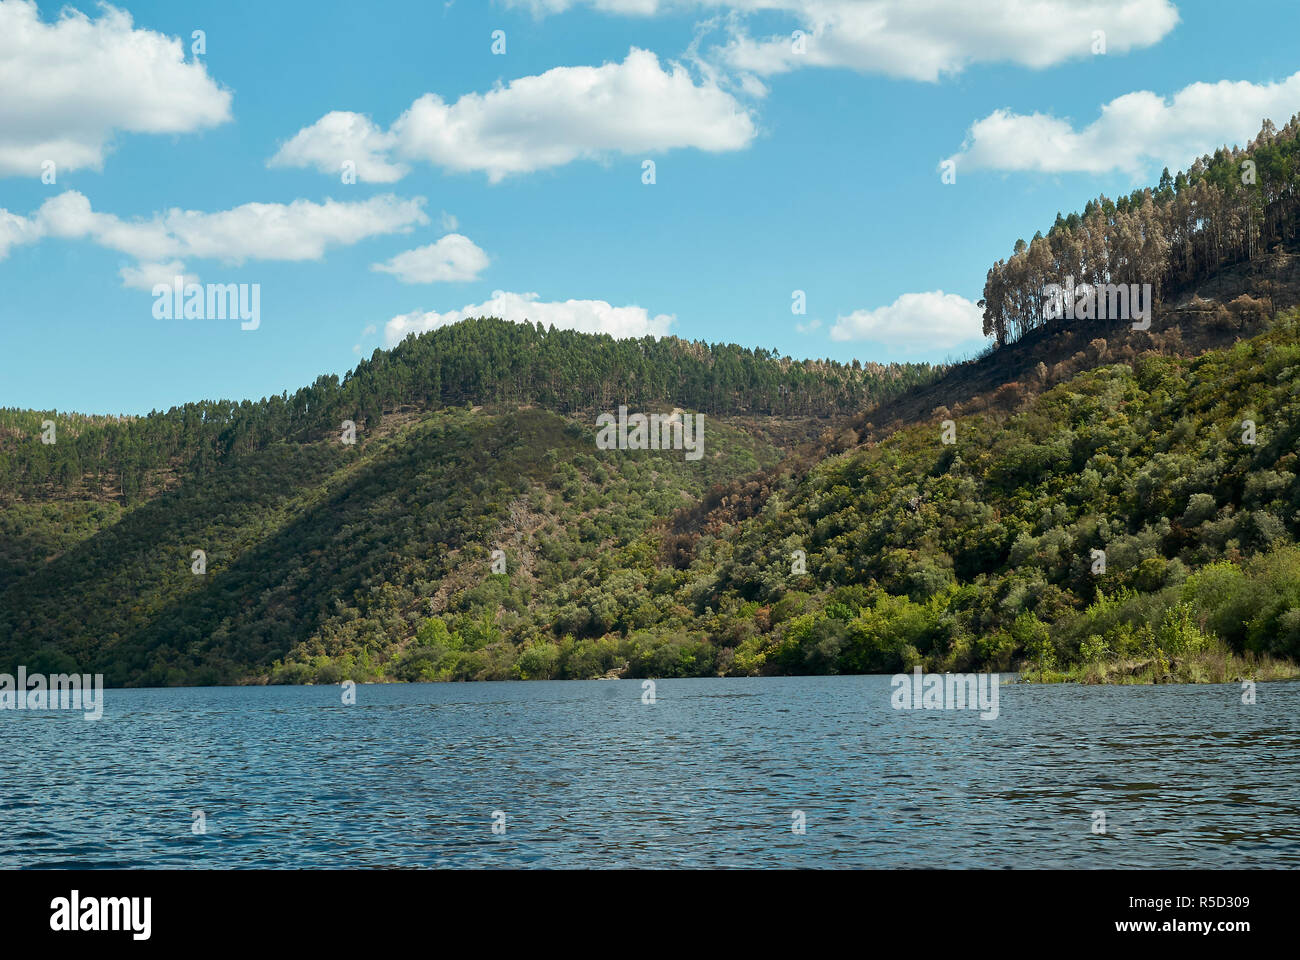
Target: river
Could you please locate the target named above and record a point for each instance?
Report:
(773, 772)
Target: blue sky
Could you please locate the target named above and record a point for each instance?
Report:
(515, 180)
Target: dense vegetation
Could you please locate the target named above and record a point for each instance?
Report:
(980, 553)
(339, 553)
(474, 362)
(328, 561)
(1133, 513)
(1227, 208)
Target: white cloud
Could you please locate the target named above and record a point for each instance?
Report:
(339, 137)
(145, 276)
(585, 316)
(454, 258)
(14, 231)
(538, 122)
(301, 230)
(916, 39)
(1135, 132)
(72, 84)
(926, 39)
(915, 321)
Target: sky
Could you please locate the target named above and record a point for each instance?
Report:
(827, 178)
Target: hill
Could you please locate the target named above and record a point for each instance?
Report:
(320, 552)
(1084, 500)
(374, 561)
(983, 552)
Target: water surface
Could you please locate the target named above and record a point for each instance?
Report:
(587, 775)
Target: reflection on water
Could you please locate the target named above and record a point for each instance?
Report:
(708, 776)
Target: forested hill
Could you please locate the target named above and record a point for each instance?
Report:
(1084, 500)
(473, 437)
(1232, 207)
(481, 361)
(375, 561)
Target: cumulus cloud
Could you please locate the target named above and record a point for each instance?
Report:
(301, 230)
(340, 137)
(535, 123)
(1135, 132)
(914, 322)
(146, 276)
(83, 80)
(915, 39)
(452, 259)
(14, 230)
(585, 316)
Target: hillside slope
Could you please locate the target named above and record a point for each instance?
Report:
(374, 562)
(1084, 498)
(980, 552)
(339, 553)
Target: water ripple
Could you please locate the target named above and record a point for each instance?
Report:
(710, 775)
